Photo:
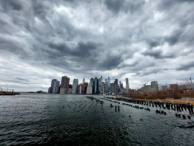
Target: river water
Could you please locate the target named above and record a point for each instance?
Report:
(45, 119)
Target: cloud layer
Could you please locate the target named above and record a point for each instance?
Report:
(143, 40)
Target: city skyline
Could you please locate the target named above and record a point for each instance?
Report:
(140, 40)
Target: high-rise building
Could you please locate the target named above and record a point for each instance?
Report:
(64, 84)
(54, 86)
(127, 85)
(116, 86)
(91, 81)
(80, 89)
(83, 80)
(108, 81)
(119, 84)
(95, 86)
(112, 88)
(89, 89)
(49, 90)
(100, 85)
(154, 86)
(75, 84)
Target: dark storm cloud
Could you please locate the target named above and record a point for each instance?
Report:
(167, 4)
(81, 50)
(124, 5)
(13, 4)
(157, 54)
(111, 62)
(186, 66)
(48, 39)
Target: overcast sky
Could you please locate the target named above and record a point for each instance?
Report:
(143, 40)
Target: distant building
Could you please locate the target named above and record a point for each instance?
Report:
(116, 86)
(85, 85)
(147, 89)
(54, 86)
(89, 89)
(75, 84)
(127, 85)
(154, 86)
(63, 90)
(112, 88)
(79, 89)
(119, 84)
(70, 86)
(49, 90)
(69, 91)
(100, 85)
(91, 81)
(108, 81)
(164, 88)
(95, 86)
(174, 87)
(83, 80)
(82, 88)
(64, 85)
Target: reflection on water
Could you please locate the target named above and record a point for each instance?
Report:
(77, 120)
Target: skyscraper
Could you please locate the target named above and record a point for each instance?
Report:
(154, 86)
(108, 81)
(54, 86)
(119, 84)
(127, 85)
(83, 80)
(64, 84)
(116, 86)
(91, 81)
(112, 88)
(95, 86)
(75, 84)
(89, 89)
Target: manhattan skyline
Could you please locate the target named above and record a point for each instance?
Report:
(140, 40)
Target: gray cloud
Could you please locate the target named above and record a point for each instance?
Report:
(123, 5)
(141, 40)
(157, 54)
(186, 66)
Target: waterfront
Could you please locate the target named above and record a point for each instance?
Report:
(43, 119)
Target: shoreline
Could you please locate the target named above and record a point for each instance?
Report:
(167, 100)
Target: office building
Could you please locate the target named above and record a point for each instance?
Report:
(112, 88)
(49, 90)
(95, 86)
(91, 81)
(108, 81)
(154, 86)
(55, 88)
(83, 80)
(116, 90)
(64, 85)
(127, 85)
(89, 89)
(75, 84)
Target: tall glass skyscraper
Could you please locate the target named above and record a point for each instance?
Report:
(95, 86)
(127, 84)
(108, 81)
(75, 84)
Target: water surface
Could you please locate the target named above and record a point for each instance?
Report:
(46, 119)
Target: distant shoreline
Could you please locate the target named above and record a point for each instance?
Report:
(182, 100)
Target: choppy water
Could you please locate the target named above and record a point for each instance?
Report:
(76, 120)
